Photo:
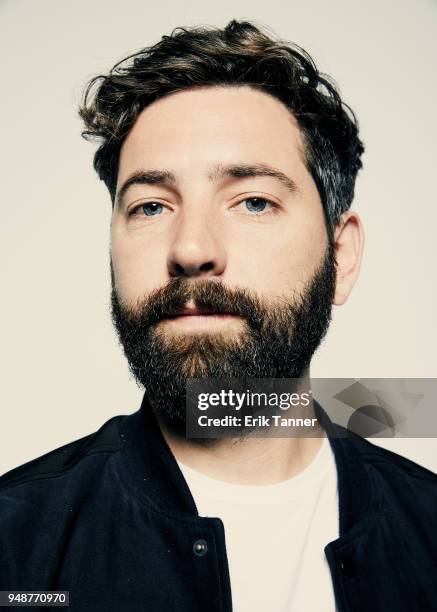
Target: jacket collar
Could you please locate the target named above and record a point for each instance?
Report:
(148, 467)
(355, 493)
(147, 459)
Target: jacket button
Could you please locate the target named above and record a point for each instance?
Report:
(200, 548)
(347, 565)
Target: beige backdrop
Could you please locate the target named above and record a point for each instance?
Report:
(63, 373)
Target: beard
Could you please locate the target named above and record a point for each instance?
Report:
(278, 338)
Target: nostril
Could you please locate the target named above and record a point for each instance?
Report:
(179, 269)
(206, 267)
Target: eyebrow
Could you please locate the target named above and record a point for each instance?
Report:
(219, 172)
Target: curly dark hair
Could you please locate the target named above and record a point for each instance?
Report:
(239, 54)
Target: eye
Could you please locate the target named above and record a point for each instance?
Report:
(148, 209)
(258, 205)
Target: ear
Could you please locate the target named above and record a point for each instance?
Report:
(348, 244)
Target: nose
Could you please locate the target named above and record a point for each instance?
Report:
(196, 249)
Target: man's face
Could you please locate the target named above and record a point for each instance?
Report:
(223, 216)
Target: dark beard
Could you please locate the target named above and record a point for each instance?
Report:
(279, 341)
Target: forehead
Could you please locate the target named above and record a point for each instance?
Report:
(204, 125)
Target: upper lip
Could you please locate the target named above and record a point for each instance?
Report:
(192, 312)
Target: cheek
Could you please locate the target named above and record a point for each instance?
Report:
(309, 245)
(137, 267)
(284, 261)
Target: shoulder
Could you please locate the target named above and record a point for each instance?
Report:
(371, 455)
(40, 500)
(64, 460)
(406, 487)
(392, 462)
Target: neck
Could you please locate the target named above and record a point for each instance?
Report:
(249, 460)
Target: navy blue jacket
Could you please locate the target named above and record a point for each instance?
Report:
(110, 518)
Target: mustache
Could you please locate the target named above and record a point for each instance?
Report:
(209, 296)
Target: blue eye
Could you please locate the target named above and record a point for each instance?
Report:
(256, 204)
(151, 209)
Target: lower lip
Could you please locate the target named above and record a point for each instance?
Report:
(200, 320)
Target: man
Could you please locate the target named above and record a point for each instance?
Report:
(231, 163)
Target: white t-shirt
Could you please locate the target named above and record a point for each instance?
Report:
(275, 536)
